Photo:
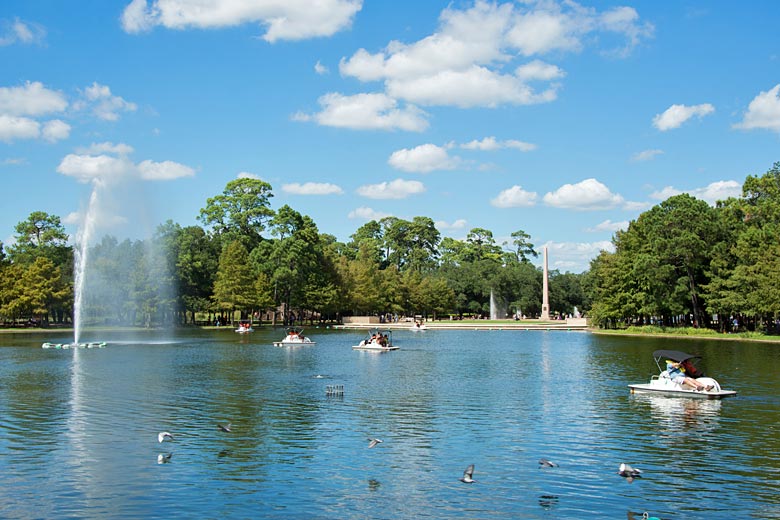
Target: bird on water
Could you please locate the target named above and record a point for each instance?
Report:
(468, 475)
(629, 472)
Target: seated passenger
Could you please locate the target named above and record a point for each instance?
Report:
(677, 373)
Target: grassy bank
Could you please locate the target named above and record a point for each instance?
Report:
(688, 333)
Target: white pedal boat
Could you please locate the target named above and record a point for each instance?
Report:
(663, 384)
(294, 338)
(377, 341)
(93, 344)
(244, 327)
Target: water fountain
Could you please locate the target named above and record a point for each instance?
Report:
(497, 307)
(80, 266)
(82, 240)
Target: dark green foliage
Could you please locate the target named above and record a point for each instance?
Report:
(681, 262)
(684, 262)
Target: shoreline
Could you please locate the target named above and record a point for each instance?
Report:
(716, 337)
(487, 325)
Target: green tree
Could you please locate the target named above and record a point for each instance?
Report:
(682, 232)
(31, 291)
(481, 245)
(566, 292)
(240, 212)
(609, 287)
(197, 264)
(523, 248)
(363, 282)
(744, 269)
(293, 258)
(41, 234)
(234, 285)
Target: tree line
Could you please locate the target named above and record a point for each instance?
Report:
(680, 263)
(684, 262)
(246, 258)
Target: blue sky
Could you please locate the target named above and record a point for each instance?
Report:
(565, 120)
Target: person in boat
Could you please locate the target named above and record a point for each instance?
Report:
(683, 373)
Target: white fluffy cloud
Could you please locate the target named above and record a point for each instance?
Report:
(676, 115)
(476, 86)
(490, 144)
(574, 257)
(547, 28)
(646, 155)
(22, 107)
(763, 112)
(713, 192)
(19, 31)
(13, 128)
(248, 175)
(589, 194)
(539, 71)
(320, 69)
(103, 103)
(106, 147)
(163, 171)
(608, 225)
(312, 188)
(719, 190)
(465, 61)
(31, 99)
(19, 106)
(287, 20)
(86, 167)
(397, 189)
(457, 224)
(515, 197)
(55, 130)
(365, 213)
(423, 159)
(366, 112)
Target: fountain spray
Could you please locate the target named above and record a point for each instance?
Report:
(82, 239)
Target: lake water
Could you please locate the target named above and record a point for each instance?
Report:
(78, 428)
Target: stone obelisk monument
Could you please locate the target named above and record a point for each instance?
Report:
(545, 297)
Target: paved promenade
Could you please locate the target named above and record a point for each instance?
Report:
(572, 324)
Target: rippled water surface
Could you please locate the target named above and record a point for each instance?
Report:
(78, 428)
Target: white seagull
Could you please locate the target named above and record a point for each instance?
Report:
(224, 427)
(544, 463)
(164, 458)
(468, 474)
(629, 472)
(163, 435)
(373, 442)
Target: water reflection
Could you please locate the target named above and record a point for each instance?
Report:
(501, 400)
(671, 414)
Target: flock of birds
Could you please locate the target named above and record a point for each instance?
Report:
(625, 470)
(164, 458)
